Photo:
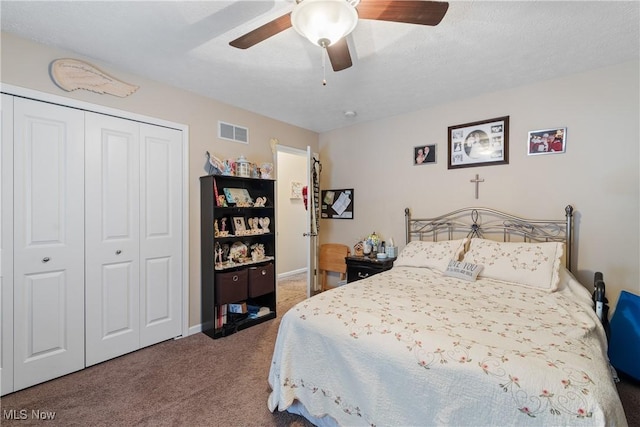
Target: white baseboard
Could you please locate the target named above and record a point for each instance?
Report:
(292, 273)
(195, 329)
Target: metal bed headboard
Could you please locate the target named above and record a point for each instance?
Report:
(491, 224)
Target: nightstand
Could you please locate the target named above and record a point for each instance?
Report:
(359, 267)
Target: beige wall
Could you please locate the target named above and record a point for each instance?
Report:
(26, 64)
(598, 174)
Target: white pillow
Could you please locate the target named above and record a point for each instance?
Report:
(431, 254)
(531, 264)
(463, 270)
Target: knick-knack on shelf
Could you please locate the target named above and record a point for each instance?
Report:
(265, 170)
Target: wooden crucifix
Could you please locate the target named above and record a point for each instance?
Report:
(477, 181)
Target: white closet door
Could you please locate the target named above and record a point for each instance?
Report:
(48, 241)
(161, 234)
(6, 248)
(112, 237)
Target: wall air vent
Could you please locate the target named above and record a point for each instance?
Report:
(233, 133)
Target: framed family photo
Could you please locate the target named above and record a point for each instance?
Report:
(482, 143)
(547, 141)
(239, 225)
(424, 154)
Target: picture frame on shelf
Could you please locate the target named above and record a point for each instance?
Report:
(547, 141)
(424, 154)
(239, 225)
(481, 143)
(238, 196)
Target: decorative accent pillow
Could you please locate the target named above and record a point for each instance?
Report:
(463, 270)
(431, 254)
(531, 264)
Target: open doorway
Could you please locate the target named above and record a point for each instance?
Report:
(291, 216)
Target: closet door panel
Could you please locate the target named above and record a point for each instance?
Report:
(6, 248)
(112, 237)
(161, 233)
(158, 291)
(44, 312)
(48, 241)
(119, 283)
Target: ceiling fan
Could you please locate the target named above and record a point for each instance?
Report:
(326, 23)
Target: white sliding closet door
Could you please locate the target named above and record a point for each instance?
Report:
(48, 241)
(160, 234)
(112, 237)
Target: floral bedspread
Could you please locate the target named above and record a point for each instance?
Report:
(410, 347)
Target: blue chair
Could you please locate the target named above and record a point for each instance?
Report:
(624, 345)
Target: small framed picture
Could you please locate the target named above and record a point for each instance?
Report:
(424, 154)
(296, 190)
(239, 225)
(547, 141)
(482, 143)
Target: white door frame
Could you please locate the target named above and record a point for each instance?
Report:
(73, 103)
(279, 148)
(6, 248)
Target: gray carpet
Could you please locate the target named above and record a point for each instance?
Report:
(195, 381)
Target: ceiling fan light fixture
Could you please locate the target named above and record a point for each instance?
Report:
(324, 22)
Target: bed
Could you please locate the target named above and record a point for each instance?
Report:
(479, 322)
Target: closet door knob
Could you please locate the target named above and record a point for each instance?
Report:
(46, 259)
(118, 252)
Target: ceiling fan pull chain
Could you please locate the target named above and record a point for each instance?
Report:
(324, 69)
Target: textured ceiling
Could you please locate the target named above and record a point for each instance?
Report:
(479, 47)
